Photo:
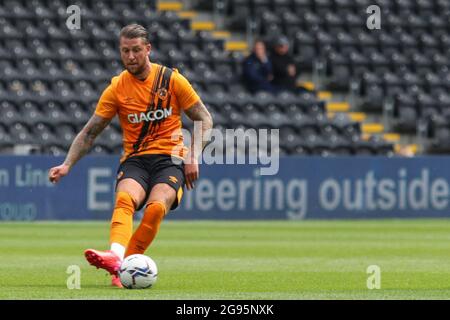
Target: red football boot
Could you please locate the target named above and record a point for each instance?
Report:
(107, 260)
(115, 281)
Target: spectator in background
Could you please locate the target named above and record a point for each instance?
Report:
(257, 69)
(283, 66)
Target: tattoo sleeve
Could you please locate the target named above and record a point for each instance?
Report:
(202, 128)
(85, 139)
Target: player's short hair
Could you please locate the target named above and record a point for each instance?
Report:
(133, 31)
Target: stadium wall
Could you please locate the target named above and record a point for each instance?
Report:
(304, 188)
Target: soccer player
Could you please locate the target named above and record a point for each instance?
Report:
(148, 99)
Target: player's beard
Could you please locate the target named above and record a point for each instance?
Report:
(137, 70)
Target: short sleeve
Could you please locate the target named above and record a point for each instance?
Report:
(185, 94)
(107, 104)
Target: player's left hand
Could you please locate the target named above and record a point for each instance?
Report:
(191, 174)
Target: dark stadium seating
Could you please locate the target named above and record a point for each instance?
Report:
(407, 59)
(408, 56)
(51, 78)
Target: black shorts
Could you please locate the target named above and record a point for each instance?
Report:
(151, 169)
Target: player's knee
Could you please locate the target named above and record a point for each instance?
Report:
(133, 189)
(163, 193)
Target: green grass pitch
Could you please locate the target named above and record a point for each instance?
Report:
(238, 260)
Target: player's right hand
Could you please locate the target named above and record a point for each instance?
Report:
(56, 173)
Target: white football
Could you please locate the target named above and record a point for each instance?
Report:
(138, 272)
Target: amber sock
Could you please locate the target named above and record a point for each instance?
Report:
(122, 222)
(147, 230)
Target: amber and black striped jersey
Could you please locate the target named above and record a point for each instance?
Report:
(149, 111)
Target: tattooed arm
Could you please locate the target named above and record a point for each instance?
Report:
(202, 127)
(200, 137)
(85, 139)
(80, 146)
